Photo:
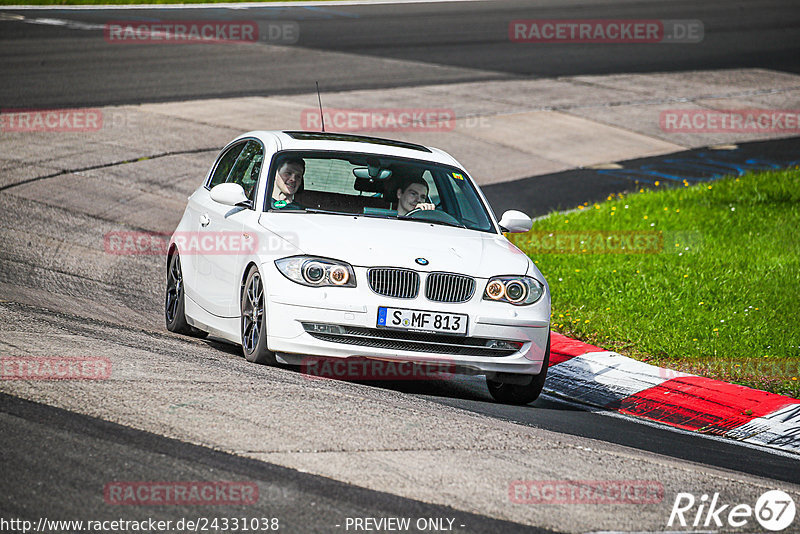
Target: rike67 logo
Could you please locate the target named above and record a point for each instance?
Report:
(774, 511)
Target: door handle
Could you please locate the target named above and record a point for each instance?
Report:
(204, 220)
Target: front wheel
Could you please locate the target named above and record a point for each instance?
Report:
(516, 394)
(254, 321)
(174, 305)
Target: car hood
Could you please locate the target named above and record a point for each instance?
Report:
(370, 242)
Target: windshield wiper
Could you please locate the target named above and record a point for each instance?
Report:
(444, 223)
(314, 210)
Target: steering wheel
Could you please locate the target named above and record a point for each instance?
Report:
(412, 212)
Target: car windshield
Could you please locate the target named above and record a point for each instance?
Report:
(376, 186)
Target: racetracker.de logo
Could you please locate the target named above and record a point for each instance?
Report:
(380, 119)
(585, 492)
(181, 32)
(51, 120)
(596, 242)
(54, 368)
(730, 121)
(180, 493)
(207, 243)
(600, 31)
(372, 369)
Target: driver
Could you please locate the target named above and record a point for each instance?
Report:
(413, 195)
(288, 182)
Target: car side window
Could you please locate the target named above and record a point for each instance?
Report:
(469, 204)
(461, 201)
(433, 192)
(225, 164)
(247, 168)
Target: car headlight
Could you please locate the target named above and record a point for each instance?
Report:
(317, 272)
(518, 290)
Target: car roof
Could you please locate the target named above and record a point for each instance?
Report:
(345, 142)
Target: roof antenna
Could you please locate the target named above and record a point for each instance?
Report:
(321, 117)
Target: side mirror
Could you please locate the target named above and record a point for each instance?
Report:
(515, 222)
(229, 194)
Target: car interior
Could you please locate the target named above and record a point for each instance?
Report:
(374, 191)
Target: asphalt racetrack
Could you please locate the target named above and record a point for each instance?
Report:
(321, 452)
(363, 47)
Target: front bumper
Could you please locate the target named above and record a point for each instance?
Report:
(291, 308)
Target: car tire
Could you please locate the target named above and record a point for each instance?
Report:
(174, 304)
(254, 321)
(516, 394)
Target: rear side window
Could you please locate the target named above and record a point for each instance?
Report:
(247, 168)
(225, 164)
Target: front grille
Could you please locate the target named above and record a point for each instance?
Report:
(447, 287)
(397, 283)
(410, 341)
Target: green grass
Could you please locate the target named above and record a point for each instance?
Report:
(720, 299)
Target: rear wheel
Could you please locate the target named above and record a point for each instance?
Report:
(174, 305)
(516, 394)
(254, 321)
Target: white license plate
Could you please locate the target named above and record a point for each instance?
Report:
(425, 321)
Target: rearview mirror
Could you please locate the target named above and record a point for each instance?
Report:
(515, 222)
(365, 172)
(229, 194)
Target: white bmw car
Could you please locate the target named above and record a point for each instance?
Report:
(309, 244)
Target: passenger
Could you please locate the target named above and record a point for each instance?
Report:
(288, 182)
(413, 195)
